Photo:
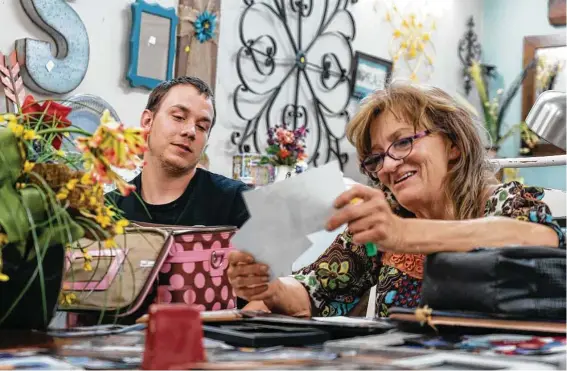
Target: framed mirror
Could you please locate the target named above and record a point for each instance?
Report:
(152, 44)
(549, 74)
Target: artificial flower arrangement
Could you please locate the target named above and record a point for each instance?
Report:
(285, 146)
(49, 199)
(494, 109)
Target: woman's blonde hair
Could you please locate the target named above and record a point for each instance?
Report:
(431, 108)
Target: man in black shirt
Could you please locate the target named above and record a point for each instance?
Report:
(171, 189)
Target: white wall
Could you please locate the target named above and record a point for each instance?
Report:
(108, 24)
(373, 35)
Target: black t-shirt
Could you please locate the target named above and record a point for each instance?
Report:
(209, 199)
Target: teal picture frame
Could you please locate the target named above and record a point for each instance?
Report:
(138, 76)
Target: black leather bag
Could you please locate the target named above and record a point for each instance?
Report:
(516, 282)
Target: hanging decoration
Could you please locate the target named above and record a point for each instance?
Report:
(470, 50)
(198, 39)
(10, 76)
(63, 71)
(308, 85)
(411, 42)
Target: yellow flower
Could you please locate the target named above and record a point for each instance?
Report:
(4, 277)
(397, 33)
(71, 184)
(9, 117)
(87, 266)
(109, 243)
(3, 239)
(86, 179)
(28, 166)
(108, 210)
(60, 153)
(119, 227)
(29, 134)
(106, 118)
(412, 52)
(62, 194)
(67, 298)
(103, 220)
(112, 145)
(16, 128)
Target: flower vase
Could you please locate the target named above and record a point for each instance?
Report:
(283, 172)
(29, 298)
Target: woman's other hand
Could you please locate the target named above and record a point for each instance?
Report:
(248, 278)
(369, 218)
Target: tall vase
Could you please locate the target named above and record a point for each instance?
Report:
(283, 172)
(34, 308)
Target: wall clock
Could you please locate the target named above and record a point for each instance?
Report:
(294, 66)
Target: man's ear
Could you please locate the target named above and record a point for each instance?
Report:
(147, 119)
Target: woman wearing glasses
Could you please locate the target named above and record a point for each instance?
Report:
(434, 191)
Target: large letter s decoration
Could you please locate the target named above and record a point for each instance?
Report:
(42, 71)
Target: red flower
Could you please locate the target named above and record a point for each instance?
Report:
(53, 113)
(283, 153)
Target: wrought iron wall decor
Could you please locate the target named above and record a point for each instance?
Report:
(305, 70)
(470, 50)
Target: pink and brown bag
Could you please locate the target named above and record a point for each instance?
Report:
(184, 264)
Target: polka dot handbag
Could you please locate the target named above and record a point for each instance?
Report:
(195, 270)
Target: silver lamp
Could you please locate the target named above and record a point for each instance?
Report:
(547, 117)
(547, 120)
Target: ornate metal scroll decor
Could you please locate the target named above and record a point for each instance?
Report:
(288, 77)
(469, 51)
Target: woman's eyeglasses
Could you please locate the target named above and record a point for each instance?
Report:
(398, 150)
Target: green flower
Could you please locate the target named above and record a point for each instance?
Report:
(334, 275)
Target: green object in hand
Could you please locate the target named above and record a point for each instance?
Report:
(371, 249)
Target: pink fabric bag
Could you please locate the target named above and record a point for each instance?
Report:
(195, 270)
(159, 263)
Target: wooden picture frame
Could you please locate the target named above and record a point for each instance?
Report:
(152, 44)
(557, 12)
(369, 73)
(531, 46)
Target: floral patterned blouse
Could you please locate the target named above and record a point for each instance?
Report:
(343, 273)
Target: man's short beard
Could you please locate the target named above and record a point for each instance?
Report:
(175, 170)
(168, 167)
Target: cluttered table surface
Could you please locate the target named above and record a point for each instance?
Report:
(277, 342)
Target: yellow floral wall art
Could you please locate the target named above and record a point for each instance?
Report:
(411, 47)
